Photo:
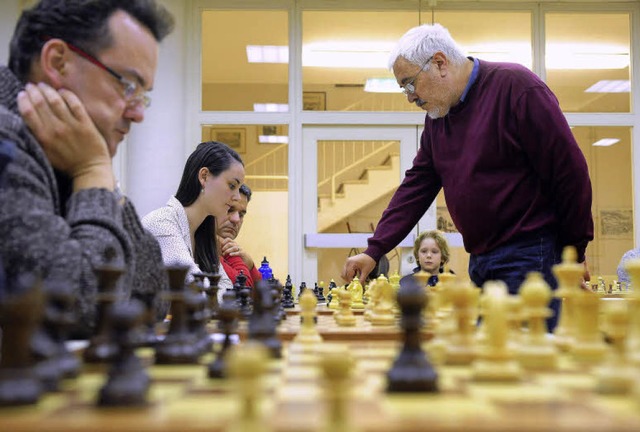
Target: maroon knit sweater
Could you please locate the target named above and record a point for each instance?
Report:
(508, 163)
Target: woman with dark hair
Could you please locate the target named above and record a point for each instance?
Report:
(185, 227)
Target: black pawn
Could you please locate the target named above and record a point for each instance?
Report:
(20, 314)
(150, 335)
(48, 344)
(330, 296)
(128, 382)
(411, 371)
(243, 293)
(197, 316)
(277, 292)
(319, 291)
(228, 314)
(303, 286)
(287, 294)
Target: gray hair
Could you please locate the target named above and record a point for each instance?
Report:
(422, 42)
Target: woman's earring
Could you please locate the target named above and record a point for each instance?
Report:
(202, 190)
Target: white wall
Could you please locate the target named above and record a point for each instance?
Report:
(155, 150)
(9, 12)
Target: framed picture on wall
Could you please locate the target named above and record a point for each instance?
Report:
(314, 101)
(270, 130)
(236, 138)
(616, 223)
(445, 223)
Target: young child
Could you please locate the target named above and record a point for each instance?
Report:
(431, 252)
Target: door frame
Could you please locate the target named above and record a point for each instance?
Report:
(408, 136)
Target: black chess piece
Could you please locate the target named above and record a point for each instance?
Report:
(20, 314)
(197, 316)
(243, 293)
(303, 286)
(150, 334)
(319, 291)
(210, 291)
(179, 345)
(411, 370)
(228, 314)
(54, 361)
(262, 325)
(287, 294)
(277, 292)
(128, 382)
(330, 295)
(101, 348)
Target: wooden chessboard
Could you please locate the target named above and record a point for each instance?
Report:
(182, 398)
(330, 330)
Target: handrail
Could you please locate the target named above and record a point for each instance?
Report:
(347, 168)
(265, 156)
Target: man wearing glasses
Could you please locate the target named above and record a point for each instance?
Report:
(78, 76)
(497, 143)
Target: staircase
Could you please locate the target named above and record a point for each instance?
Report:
(353, 195)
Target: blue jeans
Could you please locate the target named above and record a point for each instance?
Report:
(511, 262)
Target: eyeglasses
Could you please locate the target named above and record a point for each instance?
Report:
(133, 93)
(409, 87)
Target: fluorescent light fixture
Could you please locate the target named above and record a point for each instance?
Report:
(347, 54)
(610, 86)
(382, 85)
(374, 55)
(273, 139)
(513, 52)
(586, 56)
(270, 107)
(267, 54)
(606, 142)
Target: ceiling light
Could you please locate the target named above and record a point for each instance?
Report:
(267, 54)
(270, 107)
(513, 52)
(586, 56)
(606, 142)
(382, 85)
(367, 55)
(273, 139)
(610, 86)
(347, 54)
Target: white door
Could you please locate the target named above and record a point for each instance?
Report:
(348, 177)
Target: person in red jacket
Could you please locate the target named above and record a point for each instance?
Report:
(234, 258)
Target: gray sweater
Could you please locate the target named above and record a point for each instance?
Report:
(44, 227)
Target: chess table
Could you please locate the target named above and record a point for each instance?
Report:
(291, 398)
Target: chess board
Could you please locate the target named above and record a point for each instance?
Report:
(182, 398)
(330, 330)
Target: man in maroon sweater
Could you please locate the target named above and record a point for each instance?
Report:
(515, 181)
(235, 259)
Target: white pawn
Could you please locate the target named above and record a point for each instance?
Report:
(308, 334)
(337, 365)
(616, 376)
(247, 363)
(537, 351)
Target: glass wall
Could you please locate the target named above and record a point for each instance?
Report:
(342, 68)
(264, 151)
(356, 180)
(245, 60)
(588, 60)
(608, 154)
